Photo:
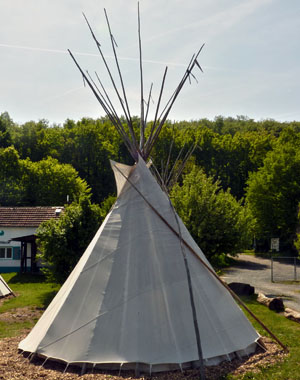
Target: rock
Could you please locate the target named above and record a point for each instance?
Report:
(274, 303)
(241, 289)
(292, 314)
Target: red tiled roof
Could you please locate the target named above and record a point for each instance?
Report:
(26, 216)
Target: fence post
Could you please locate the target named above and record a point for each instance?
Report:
(272, 279)
(295, 269)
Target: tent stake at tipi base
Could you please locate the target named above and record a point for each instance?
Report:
(67, 366)
(83, 369)
(137, 371)
(261, 344)
(42, 365)
(120, 369)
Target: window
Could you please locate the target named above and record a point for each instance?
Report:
(5, 253)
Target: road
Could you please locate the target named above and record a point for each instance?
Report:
(256, 271)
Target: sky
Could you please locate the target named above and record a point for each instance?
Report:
(251, 57)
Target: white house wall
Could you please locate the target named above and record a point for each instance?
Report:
(11, 265)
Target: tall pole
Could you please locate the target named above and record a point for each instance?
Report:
(192, 300)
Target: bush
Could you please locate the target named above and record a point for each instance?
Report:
(62, 241)
(273, 193)
(217, 221)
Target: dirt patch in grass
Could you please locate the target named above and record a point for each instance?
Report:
(2, 299)
(15, 366)
(20, 315)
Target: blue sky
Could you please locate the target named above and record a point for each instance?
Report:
(251, 58)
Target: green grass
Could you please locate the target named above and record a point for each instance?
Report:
(9, 329)
(249, 252)
(32, 292)
(285, 330)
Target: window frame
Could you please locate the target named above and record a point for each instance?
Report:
(5, 253)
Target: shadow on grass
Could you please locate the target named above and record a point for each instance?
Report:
(25, 278)
(46, 298)
(249, 300)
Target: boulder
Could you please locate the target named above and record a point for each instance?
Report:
(273, 303)
(292, 314)
(241, 289)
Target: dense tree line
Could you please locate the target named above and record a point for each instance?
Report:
(250, 168)
(228, 149)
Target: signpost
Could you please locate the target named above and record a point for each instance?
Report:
(275, 244)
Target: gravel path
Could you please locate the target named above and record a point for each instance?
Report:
(256, 271)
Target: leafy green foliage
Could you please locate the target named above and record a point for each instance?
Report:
(42, 183)
(48, 182)
(31, 138)
(88, 147)
(62, 241)
(12, 187)
(106, 205)
(5, 124)
(273, 192)
(218, 223)
(230, 158)
(228, 150)
(297, 240)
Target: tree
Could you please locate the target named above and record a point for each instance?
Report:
(88, 146)
(297, 240)
(218, 223)
(62, 241)
(273, 192)
(42, 183)
(28, 140)
(5, 124)
(47, 183)
(229, 158)
(11, 184)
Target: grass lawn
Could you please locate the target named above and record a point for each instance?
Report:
(34, 294)
(289, 334)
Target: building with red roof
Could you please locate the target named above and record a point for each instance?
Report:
(17, 236)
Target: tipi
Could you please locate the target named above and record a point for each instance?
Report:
(4, 288)
(127, 300)
(140, 295)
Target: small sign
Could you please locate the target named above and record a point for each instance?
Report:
(275, 244)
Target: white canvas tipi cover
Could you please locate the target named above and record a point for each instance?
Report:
(4, 288)
(127, 300)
